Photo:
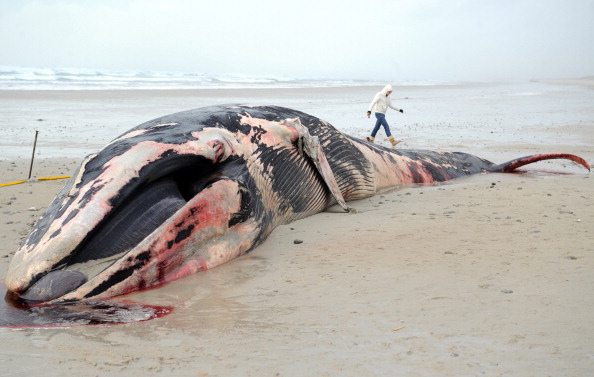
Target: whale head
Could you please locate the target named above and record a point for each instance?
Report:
(166, 199)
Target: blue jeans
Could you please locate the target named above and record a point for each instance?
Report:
(381, 121)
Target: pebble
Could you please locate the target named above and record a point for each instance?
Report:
(297, 242)
(33, 209)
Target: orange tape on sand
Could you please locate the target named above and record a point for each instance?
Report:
(36, 179)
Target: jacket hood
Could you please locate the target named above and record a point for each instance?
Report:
(387, 88)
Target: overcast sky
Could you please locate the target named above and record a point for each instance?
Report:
(346, 39)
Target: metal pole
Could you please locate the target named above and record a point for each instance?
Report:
(33, 154)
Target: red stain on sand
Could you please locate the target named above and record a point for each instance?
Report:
(14, 314)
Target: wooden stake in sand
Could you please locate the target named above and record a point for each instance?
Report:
(33, 154)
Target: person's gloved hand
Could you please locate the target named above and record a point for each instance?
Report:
(368, 114)
(402, 111)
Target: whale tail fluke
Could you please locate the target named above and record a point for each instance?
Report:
(512, 165)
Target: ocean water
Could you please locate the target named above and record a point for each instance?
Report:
(28, 78)
(485, 119)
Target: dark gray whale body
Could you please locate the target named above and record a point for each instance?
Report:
(189, 191)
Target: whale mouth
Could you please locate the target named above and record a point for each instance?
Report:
(133, 219)
(128, 225)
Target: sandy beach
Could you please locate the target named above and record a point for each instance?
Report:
(489, 275)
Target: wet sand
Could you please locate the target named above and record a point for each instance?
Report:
(486, 275)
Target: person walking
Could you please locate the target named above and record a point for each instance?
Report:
(381, 102)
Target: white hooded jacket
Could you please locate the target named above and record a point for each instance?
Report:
(381, 101)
